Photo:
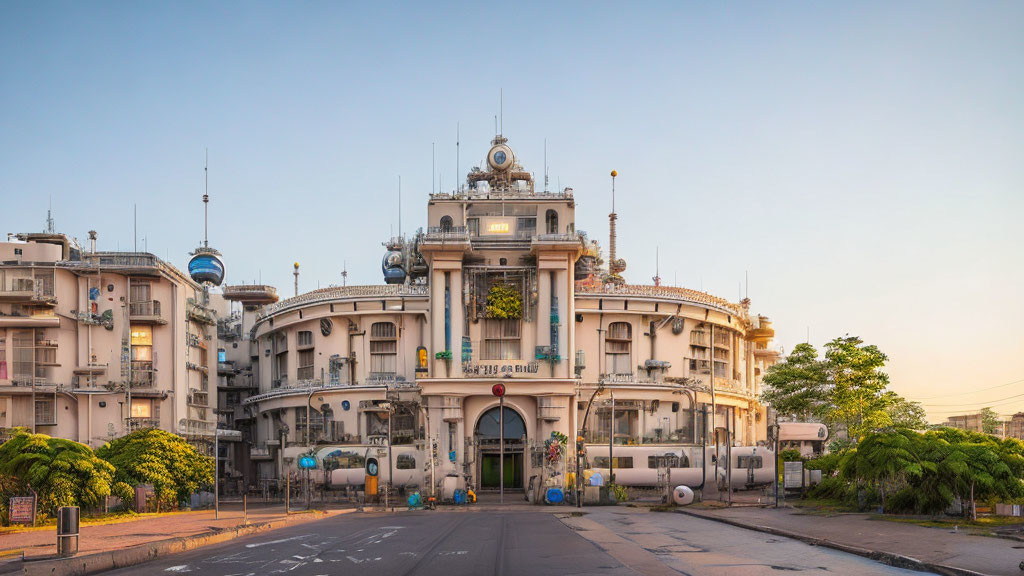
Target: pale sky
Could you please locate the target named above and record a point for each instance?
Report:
(861, 161)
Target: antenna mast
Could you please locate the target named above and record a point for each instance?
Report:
(49, 216)
(206, 199)
(545, 165)
(399, 206)
(433, 165)
(458, 173)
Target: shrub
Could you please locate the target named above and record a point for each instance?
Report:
(162, 459)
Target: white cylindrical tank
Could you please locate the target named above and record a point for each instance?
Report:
(682, 495)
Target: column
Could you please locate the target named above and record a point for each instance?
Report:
(436, 323)
(458, 313)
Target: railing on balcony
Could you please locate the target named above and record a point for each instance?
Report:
(140, 423)
(448, 233)
(144, 308)
(142, 374)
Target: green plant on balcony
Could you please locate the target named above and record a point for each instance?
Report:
(445, 355)
(504, 302)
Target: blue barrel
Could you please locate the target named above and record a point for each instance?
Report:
(554, 496)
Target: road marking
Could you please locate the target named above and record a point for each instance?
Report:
(258, 544)
(180, 568)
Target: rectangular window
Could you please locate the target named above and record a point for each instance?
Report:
(305, 339)
(668, 461)
(620, 462)
(405, 462)
(383, 348)
(142, 336)
(24, 355)
(749, 462)
(305, 365)
(46, 411)
(617, 348)
(502, 339)
(142, 409)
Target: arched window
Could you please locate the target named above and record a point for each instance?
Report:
(446, 224)
(551, 222)
(487, 427)
(383, 348)
(617, 348)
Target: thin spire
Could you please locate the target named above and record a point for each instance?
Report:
(206, 199)
(433, 169)
(458, 173)
(399, 205)
(501, 109)
(545, 164)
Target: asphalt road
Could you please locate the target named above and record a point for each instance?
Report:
(603, 542)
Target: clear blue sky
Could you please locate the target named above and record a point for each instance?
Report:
(863, 161)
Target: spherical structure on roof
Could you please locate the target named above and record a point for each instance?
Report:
(206, 267)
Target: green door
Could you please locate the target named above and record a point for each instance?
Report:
(490, 474)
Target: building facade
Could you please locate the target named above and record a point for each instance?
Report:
(500, 288)
(96, 344)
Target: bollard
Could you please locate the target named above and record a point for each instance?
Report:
(67, 531)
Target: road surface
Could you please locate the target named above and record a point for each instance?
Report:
(612, 542)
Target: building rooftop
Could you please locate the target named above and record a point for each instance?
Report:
(669, 292)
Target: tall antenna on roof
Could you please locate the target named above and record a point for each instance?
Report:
(545, 164)
(657, 266)
(746, 280)
(399, 205)
(458, 174)
(49, 216)
(501, 109)
(135, 226)
(206, 198)
(344, 273)
(433, 165)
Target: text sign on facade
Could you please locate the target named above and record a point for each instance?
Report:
(793, 475)
(499, 370)
(23, 509)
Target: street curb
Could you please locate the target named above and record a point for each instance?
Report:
(114, 559)
(892, 559)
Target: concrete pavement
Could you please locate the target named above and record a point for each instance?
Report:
(937, 546)
(687, 545)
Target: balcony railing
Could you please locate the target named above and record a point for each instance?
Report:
(140, 423)
(451, 233)
(145, 311)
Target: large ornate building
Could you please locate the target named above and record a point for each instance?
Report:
(501, 287)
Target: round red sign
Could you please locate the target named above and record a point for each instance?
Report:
(498, 390)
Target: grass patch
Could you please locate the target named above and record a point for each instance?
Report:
(821, 506)
(929, 522)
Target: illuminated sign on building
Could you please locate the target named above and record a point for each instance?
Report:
(498, 226)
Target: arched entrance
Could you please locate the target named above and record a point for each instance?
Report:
(489, 440)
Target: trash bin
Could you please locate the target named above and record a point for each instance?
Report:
(67, 530)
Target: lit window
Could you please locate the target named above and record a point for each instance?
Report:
(142, 336)
(142, 410)
(501, 339)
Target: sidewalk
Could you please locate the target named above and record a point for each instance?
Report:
(936, 548)
(148, 529)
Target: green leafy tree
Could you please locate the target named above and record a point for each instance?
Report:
(857, 385)
(904, 413)
(887, 461)
(162, 459)
(797, 386)
(61, 472)
(990, 423)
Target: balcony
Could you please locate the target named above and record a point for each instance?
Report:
(143, 375)
(259, 453)
(146, 312)
(28, 290)
(34, 320)
(141, 423)
(198, 398)
(199, 313)
(446, 234)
